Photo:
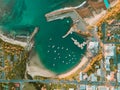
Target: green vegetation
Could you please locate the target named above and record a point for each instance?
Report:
(93, 69)
(117, 17)
(15, 58)
(118, 48)
(51, 86)
(112, 66)
(7, 86)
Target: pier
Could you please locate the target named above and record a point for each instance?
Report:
(30, 41)
(33, 34)
(68, 12)
(72, 29)
(78, 44)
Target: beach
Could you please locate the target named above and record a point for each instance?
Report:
(12, 41)
(36, 68)
(83, 61)
(47, 39)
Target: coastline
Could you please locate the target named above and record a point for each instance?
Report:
(83, 61)
(36, 68)
(12, 41)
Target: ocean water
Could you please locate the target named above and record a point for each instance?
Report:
(57, 54)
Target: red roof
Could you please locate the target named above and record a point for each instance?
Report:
(108, 34)
(17, 84)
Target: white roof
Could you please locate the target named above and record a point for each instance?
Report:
(103, 88)
(109, 50)
(118, 76)
(118, 66)
(92, 45)
(71, 88)
(107, 60)
(93, 77)
(80, 76)
(99, 72)
(85, 76)
(90, 87)
(82, 87)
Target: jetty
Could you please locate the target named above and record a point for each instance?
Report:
(26, 45)
(78, 44)
(65, 13)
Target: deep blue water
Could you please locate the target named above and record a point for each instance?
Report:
(57, 54)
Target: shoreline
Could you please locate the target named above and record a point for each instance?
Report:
(12, 41)
(36, 68)
(82, 62)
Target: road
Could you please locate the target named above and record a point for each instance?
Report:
(54, 81)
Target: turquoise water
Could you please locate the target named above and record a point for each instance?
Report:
(107, 3)
(57, 54)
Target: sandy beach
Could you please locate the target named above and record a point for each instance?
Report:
(35, 68)
(83, 61)
(12, 41)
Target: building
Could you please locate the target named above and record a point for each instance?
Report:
(109, 50)
(82, 87)
(118, 66)
(91, 87)
(107, 63)
(99, 72)
(103, 88)
(93, 47)
(93, 77)
(80, 76)
(118, 76)
(71, 88)
(110, 31)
